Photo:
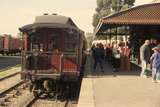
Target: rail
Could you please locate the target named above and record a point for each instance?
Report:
(11, 88)
(30, 102)
(8, 76)
(33, 100)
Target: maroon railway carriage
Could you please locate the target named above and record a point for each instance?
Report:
(53, 53)
(10, 45)
(1, 44)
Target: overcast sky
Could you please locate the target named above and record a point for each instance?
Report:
(16, 13)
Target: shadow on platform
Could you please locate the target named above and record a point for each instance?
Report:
(108, 70)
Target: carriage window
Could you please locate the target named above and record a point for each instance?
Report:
(41, 47)
(50, 46)
(35, 47)
(71, 43)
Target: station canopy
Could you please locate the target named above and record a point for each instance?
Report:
(147, 14)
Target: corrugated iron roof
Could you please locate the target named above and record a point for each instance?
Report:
(144, 14)
(147, 14)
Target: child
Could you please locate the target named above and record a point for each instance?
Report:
(155, 59)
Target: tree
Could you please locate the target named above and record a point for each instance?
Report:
(107, 3)
(100, 4)
(125, 7)
(95, 19)
(106, 7)
(103, 9)
(116, 5)
(104, 12)
(129, 2)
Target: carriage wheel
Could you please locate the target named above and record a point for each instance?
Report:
(35, 91)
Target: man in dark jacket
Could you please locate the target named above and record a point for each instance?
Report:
(98, 53)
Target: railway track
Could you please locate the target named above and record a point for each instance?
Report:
(3, 92)
(9, 82)
(15, 95)
(6, 74)
(9, 76)
(19, 96)
(8, 94)
(55, 100)
(49, 102)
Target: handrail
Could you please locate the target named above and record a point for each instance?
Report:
(49, 52)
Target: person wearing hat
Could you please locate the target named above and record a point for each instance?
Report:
(155, 59)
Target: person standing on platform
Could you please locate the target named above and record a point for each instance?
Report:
(92, 51)
(116, 58)
(98, 53)
(102, 51)
(153, 44)
(126, 57)
(145, 54)
(121, 48)
(155, 60)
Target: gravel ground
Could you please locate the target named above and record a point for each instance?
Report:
(9, 82)
(52, 103)
(19, 101)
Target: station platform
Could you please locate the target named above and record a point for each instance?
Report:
(117, 89)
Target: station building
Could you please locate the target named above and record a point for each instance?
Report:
(135, 25)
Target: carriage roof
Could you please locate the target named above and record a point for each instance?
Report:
(54, 19)
(50, 21)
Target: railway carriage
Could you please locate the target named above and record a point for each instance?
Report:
(10, 45)
(1, 44)
(53, 54)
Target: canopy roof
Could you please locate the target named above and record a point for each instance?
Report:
(148, 14)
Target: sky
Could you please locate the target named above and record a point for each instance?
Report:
(17, 13)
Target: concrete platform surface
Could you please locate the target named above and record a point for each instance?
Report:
(120, 89)
(86, 95)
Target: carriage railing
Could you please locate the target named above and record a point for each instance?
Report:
(49, 62)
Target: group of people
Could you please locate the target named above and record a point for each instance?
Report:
(113, 53)
(119, 55)
(150, 54)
